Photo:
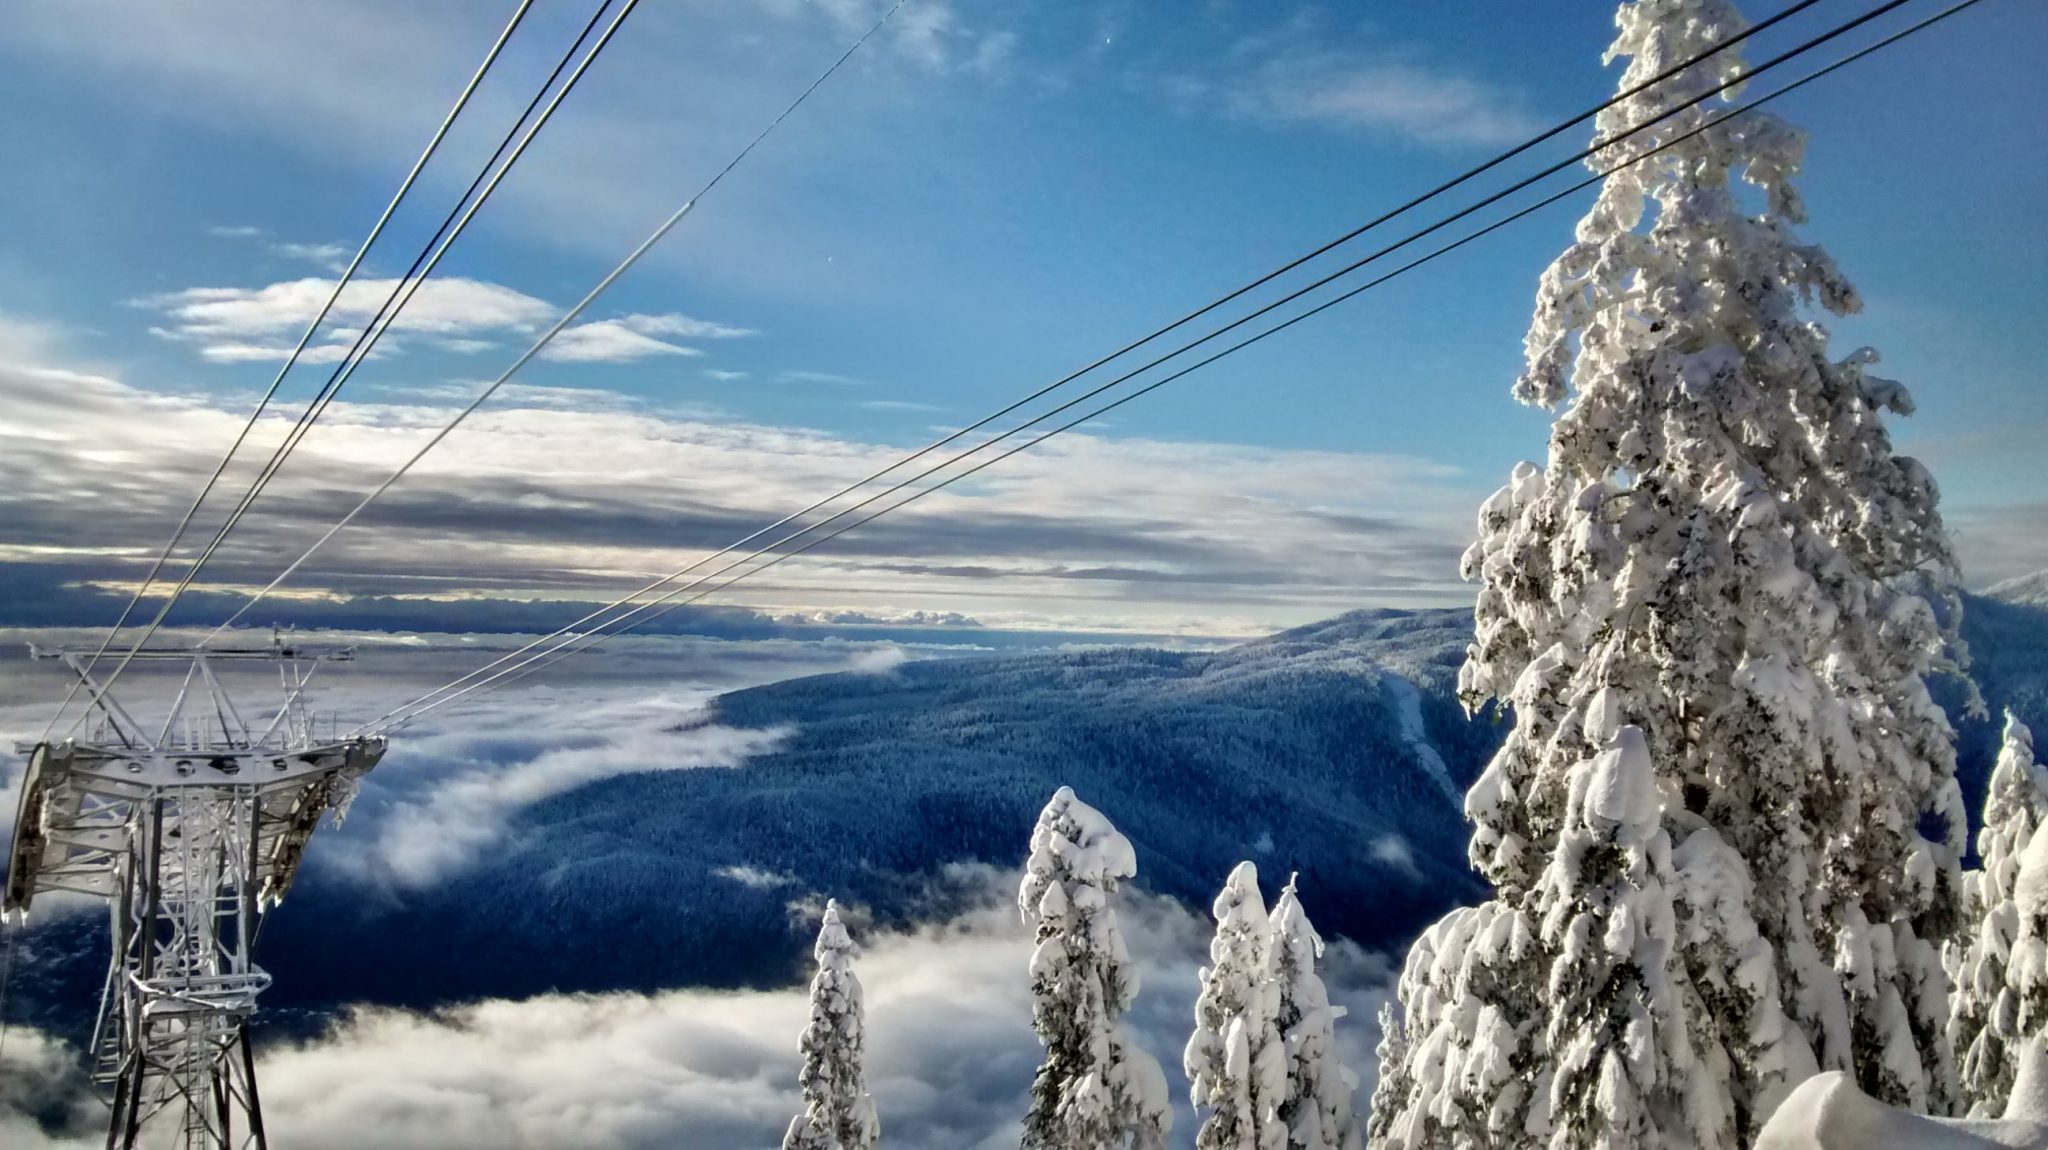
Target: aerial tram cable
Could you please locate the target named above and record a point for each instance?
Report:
(374, 331)
(333, 297)
(1748, 74)
(408, 713)
(1268, 277)
(410, 281)
(567, 318)
(1446, 249)
(407, 285)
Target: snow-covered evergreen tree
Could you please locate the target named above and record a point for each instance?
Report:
(838, 1113)
(1235, 1063)
(1315, 1106)
(1474, 1069)
(1984, 1016)
(1724, 552)
(1391, 1094)
(1096, 1090)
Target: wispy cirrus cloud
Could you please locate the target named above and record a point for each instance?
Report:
(1396, 97)
(684, 327)
(832, 378)
(1304, 71)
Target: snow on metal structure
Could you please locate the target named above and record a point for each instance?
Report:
(190, 833)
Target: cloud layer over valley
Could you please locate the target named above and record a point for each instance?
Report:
(950, 1057)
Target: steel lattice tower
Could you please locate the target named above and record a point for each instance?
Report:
(190, 836)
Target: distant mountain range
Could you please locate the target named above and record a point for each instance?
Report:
(1336, 750)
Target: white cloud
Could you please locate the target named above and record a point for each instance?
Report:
(683, 327)
(234, 231)
(1394, 850)
(333, 257)
(1395, 97)
(881, 661)
(608, 341)
(276, 353)
(229, 323)
(949, 1060)
(725, 376)
(41, 1080)
(26, 340)
(755, 877)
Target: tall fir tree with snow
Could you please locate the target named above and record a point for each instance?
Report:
(1984, 1017)
(1315, 1103)
(1723, 553)
(1096, 1090)
(1235, 1063)
(838, 1113)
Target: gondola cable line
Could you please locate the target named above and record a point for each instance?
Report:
(561, 324)
(1221, 301)
(375, 331)
(1749, 74)
(348, 273)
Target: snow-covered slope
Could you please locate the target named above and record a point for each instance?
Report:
(2026, 590)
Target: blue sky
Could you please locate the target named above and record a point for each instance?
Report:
(986, 199)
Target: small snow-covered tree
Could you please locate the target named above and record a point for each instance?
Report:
(1315, 1107)
(1391, 1094)
(1096, 1090)
(1984, 1014)
(838, 1113)
(1473, 1068)
(1723, 551)
(1235, 1063)
(2022, 1014)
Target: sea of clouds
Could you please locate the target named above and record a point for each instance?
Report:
(951, 1050)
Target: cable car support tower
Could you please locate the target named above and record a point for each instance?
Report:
(191, 832)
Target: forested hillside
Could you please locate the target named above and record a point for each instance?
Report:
(1291, 750)
(1296, 751)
